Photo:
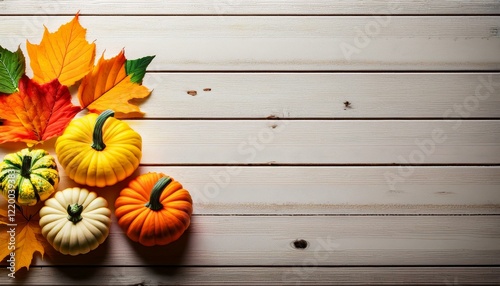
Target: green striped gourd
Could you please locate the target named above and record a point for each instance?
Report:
(28, 176)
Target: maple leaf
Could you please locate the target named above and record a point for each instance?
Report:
(26, 233)
(137, 68)
(12, 67)
(36, 112)
(108, 86)
(64, 54)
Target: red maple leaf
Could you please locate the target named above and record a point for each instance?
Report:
(36, 112)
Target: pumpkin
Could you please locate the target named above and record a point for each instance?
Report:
(75, 221)
(28, 176)
(154, 209)
(99, 150)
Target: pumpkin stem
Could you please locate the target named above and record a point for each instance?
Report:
(154, 199)
(26, 167)
(75, 213)
(98, 143)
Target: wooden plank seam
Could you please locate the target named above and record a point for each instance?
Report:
(248, 148)
(370, 29)
(485, 87)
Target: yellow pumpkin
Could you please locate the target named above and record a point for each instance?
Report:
(99, 150)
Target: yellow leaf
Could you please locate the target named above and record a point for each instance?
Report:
(109, 87)
(64, 54)
(20, 240)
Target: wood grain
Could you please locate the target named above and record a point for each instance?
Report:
(303, 275)
(258, 7)
(367, 128)
(347, 142)
(286, 43)
(332, 241)
(319, 142)
(323, 95)
(330, 190)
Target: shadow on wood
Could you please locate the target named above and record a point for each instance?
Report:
(172, 254)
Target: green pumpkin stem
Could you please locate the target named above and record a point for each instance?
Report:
(154, 199)
(26, 167)
(75, 213)
(98, 143)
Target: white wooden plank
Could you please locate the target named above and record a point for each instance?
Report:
(224, 7)
(319, 95)
(331, 190)
(284, 43)
(173, 142)
(306, 275)
(315, 142)
(332, 241)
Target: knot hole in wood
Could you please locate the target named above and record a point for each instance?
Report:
(300, 244)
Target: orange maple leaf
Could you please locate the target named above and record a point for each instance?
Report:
(27, 238)
(107, 86)
(64, 54)
(36, 112)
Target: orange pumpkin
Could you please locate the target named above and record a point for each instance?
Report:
(154, 209)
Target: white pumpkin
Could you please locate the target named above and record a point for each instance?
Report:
(75, 221)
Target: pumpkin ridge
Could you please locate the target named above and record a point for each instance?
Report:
(177, 195)
(91, 168)
(118, 169)
(11, 163)
(83, 240)
(147, 229)
(73, 163)
(36, 191)
(135, 201)
(140, 187)
(86, 198)
(20, 159)
(129, 216)
(93, 204)
(170, 190)
(94, 229)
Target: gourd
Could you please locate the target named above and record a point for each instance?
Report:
(28, 176)
(154, 209)
(75, 221)
(99, 150)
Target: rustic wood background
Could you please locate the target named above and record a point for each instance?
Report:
(401, 185)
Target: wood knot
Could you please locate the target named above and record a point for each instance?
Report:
(347, 104)
(300, 244)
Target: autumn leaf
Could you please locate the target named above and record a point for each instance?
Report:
(64, 54)
(26, 233)
(109, 87)
(12, 67)
(137, 68)
(36, 112)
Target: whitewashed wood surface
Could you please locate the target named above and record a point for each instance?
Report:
(287, 43)
(400, 186)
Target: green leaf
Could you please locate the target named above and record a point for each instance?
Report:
(12, 67)
(137, 68)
